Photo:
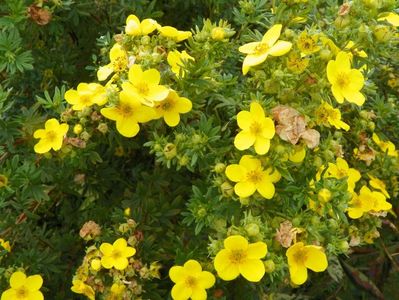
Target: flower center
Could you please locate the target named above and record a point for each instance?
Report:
(341, 173)
(343, 80)
(191, 281)
(300, 256)
(237, 256)
(125, 110)
(142, 88)
(85, 100)
(254, 176)
(119, 64)
(51, 135)
(22, 293)
(116, 254)
(255, 128)
(167, 105)
(261, 48)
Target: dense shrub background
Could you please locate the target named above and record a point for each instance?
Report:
(44, 204)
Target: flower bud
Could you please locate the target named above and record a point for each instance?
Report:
(170, 151)
(77, 129)
(219, 168)
(324, 195)
(102, 127)
(325, 54)
(95, 264)
(382, 33)
(218, 34)
(227, 189)
(342, 21)
(252, 229)
(269, 266)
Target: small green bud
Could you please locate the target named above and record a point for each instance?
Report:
(371, 125)
(145, 40)
(196, 139)
(269, 266)
(201, 213)
(184, 160)
(325, 54)
(219, 168)
(170, 151)
(102, 127)
(227, 189)
(342, 21)
(85, 136)
(315, 220)
(343, 246)
(382, 33)
(252, 229)
(3, 181)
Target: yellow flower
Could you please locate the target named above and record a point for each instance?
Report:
(119, 63)
(301, 257)
(251, 177)
(173, 33)
(24, 288)
(298, 154)
(386, 146)
(256, 130)
(390, 17)
(51, 137)
(190, 281)
(171, 107)
(297, 64)
(116, 255)
(346, 83)
(324, 195)
(350, 47)
(378, 185)
(307, 44)
(79, 287)
(240, 257)
(135, 27)
(366, 201)
(340, 170)
(218, 34)
(117, 291)
(257, 52)
(95, 264)
(145, 85)
(85, 95)
(327, 115)
(5, 245)
(128, 113)
(176, 60)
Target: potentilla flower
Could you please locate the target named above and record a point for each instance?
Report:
(251, 177)
(391, 17)
(378, 185)
(386, 146)
(307, 44)
(135, 27)
(171, 107)
(116, 255)
(367, 201)
(119, 61)
(340, 170)
(240, 257)
(257, 129)
(257, 52)
(23, 288)
(5, 245)
(117, 290)
(79, 287)
(301, 257)
(358, 206)
(174, 34)
(145, 85)
(296, 63)
(128, 113)
(51, 137)
(176, 60)
(346, 82)
(327, 115)
(85, 95)
(190, 281)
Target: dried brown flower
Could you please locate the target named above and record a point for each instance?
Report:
(286, 234)
(90, 230)
(39, 15)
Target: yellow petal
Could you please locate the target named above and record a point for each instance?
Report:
(257, 111)
(272, 35)
(172, 119)
(183, 35)
(129, 251)
(111, 113)
(107, 262)
(236, 242)
(17, 280)
(40, 133)
(337, 92)
(298, 274)
(128, 127)
(35, 295)
(51, 124)
(332, 71)
(106, 249)
(280, 48)
(356, 80)
(121, 263)
(391, 18)
(257, 250)
(151, 76)
(192, 266)
(250, 163)
(244, 189)
(243, 140)
(244, 119)
(147, 26)
(135, 74)
(252, 269)
(298, 155)
(343, 60)
(34, 282)
(144, 114)
(268, 129)
(42, 147)
(184, 105)
(9, 294)
(266, 189)
(71, 96)
(206, 279)
(355, 212)
(158, 93)
(103, 72)
(248, 48)
(262, 145)
(120, 244)
(198, 293)
(316, 259)
(181, 291)
(168, 31)
(354, 97)
(254, 59)
(235, 172)
(223, 266)
(177, 274)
